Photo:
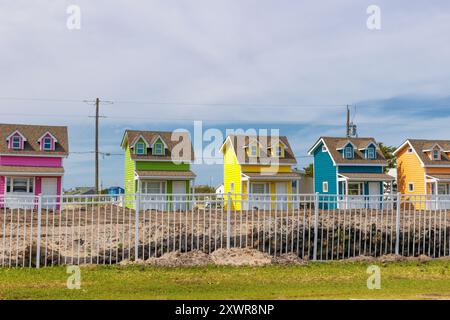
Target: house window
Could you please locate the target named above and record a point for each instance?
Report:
(47, 144)
(355, 189)
(348, 152)
(436, 154)
(232, 187)
(20, 185)
(371, 153)
(153, 187)
(279, 151)
(411, 187)
(325, 186)
(16, 142)
(259, 188)
(253, 151)
(140, 148)
(324, 149)
(159, 149)
(410, 150)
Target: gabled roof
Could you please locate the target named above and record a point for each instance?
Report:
(32, 133)
(419, 145)
(48, 133)
(334, 144)
(132, 136)
(240, 141)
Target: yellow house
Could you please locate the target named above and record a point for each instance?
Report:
(423, 172)
(258, 171)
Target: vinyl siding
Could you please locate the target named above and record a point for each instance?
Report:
(267, 168)
(361, 169)
(231, 174)
(129, 178)
(161, 166)
(324, 170)
(409, 170)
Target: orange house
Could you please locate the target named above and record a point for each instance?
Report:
(423, 172)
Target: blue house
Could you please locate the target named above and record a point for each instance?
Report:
(115, 191)
(346, 170)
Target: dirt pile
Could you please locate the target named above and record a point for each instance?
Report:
(240, 257)
(179, 259)
(289, 259)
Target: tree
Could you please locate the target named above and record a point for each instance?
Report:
(204, 189)
(388, 153)
(309, 170)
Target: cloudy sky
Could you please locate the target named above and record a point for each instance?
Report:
(288, 65)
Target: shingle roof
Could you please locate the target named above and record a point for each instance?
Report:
(277, 175)
(420, 144)
(131, 136)
(240, 141)
(32, 133)
(43, 170)
(157, 173)
(368, 176)
(335, 143)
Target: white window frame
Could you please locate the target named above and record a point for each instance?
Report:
(138, 148)
(16, 139)
(371, 153)
(325, 186)
(324, 148)
(9, 184)
(156, 151)
(144, 186)
(409, 150)
(360, 188)
(411, 187)
(252, 185)
(279, 152)
(45, 142)
(348, 156)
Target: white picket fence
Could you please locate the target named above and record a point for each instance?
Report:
(101, 229)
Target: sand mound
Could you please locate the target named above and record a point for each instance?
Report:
(288, 259)
(391, 258)
(240, 257)
(177, 259)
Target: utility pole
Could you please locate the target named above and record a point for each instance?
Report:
(348, 123)
(97, 152)
(97, 114)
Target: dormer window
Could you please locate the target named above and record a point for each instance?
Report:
(371, 153)
(159, 149)
(279, 151)
(436, 155)
(348, 152)
(253, 150)
(47, 146)
(16, 142)
(140, 148)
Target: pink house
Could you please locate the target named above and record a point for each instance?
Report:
(31, 162)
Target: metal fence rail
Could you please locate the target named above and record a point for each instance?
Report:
(100, 229)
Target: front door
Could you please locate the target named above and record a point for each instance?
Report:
(374, 195)
(179, 195)
(281, 197)
(49, 191)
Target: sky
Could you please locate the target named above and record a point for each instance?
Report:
(287, 65)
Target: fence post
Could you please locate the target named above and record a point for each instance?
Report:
(228, 219)
(137, 209)
(316, 224)
(397, 224)
(38, 236)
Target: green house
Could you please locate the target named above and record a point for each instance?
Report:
(157, 166)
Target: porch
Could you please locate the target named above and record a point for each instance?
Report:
(266, 191)
(164, 190)
(438, 185)
(363, 190)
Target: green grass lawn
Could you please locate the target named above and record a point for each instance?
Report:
(337, 280)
